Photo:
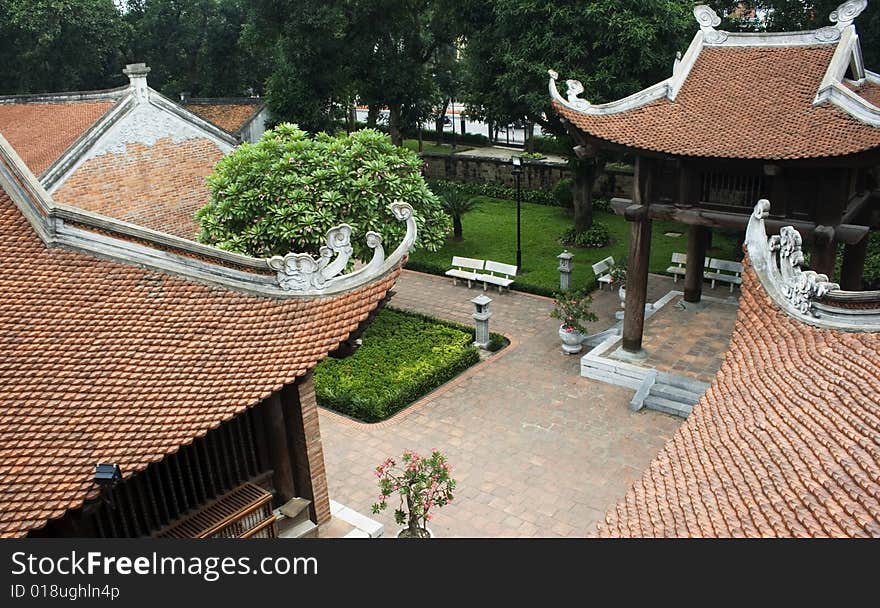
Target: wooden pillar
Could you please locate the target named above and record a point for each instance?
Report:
(636, 277)
(853, 265)
(639, 257)
(824, 251)
(698, 241)
(279, 452)
(304, 435)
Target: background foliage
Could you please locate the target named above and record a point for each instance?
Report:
(285, 192)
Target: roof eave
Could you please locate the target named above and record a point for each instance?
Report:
(296, 275)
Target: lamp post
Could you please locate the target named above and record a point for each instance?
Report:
(517, 173)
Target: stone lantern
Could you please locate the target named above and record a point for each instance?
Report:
(481, 317)
(564, 270)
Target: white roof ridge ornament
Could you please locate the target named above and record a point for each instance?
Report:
(709, 20)
(847, 12)
(300, 272)
(777, 262)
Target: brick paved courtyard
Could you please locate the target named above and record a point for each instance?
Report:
(537, 449)
(689, 343)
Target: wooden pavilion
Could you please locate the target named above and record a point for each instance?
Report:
(792, 117)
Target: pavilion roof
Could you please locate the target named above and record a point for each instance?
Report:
(747, 96)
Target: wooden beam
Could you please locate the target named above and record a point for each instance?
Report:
(856, 205)
(844, 233)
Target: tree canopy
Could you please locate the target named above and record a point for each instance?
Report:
(285, 192)
(61, 45)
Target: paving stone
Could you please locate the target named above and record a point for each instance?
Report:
(581, 460)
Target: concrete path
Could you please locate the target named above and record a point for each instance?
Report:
(536, 449)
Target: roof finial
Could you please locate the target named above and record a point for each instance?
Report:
(709, 20)
(847, 12)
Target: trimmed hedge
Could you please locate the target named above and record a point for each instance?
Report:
(403, 357)
(494, 190)
(596, 235)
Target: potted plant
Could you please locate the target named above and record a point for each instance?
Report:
(422, 484)
(618, 277)
(573, 309)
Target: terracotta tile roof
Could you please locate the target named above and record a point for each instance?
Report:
(228, 116)
(42, 132)
(786, 441)
(101, 361)
(869, 91)
(159, 186)
(740, 102)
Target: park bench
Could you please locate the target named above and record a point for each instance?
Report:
(498, 274)
(724, 271)
(679, 267)
(602, 270)
(466, 269)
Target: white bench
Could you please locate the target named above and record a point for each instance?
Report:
(466, 269)
(680, 267)
(601, 270)
(724, 271)
(498, 274)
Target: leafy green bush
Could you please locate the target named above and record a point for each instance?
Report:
(403, 357)
(563, 193)
(285, 192)
(602, 205)
(596, 235)
(496, 342)
(494, 190)
(551, 145)
(872, 262)
(532, 156)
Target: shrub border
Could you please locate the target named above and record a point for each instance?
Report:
(455, 372)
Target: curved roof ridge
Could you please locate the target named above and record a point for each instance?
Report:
(291, 276)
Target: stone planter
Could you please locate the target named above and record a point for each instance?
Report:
(426, 529)
(571, 340)
(621, 293)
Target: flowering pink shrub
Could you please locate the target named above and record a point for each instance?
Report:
(422, 483)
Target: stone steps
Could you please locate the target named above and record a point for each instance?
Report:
(294, 520)
(668, 393)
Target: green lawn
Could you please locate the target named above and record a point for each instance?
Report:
(432, 148)
(490, 233)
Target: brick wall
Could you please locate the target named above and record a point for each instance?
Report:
(311, 476)
(537, 175)
(159, 187)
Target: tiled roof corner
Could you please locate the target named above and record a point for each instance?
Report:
(784, 442)
(230, 114)
(118, 343)
(297, 275)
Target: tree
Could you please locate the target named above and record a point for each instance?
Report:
(394, 46)
(310, 81)
(456, 203)
(614, 48)
(794, 15)
(285, 192)
(60, 45)
(195, 46)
